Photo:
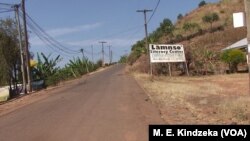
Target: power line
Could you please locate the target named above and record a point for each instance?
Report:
(6, 4)
(123, 31)
(6, 11)
(154, 11)
(48, 39)
(52, 39)
(55, 45)
(6, 7)
(51, 45)
(44, 39)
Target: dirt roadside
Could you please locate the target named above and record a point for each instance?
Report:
(221, 99)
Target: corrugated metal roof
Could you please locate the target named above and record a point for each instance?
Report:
(238, 45)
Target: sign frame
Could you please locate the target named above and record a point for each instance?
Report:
(167, 53)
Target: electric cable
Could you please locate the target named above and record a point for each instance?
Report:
(154, 10)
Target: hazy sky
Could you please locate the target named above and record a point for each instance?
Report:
(81, 23)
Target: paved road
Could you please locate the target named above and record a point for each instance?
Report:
(107, 106)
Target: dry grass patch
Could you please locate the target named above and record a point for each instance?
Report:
(221, 99)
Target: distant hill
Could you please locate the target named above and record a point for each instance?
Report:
(202, 40)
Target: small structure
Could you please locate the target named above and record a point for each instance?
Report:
(4, 94)
(242, 44)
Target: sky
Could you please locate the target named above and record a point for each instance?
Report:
(80, 24)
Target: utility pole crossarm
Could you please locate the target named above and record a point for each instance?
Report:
(145, 10)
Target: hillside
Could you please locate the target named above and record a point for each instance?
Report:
(207, 98)
(225, 35)
(202, 40)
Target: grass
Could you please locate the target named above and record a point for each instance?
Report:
(221, 99)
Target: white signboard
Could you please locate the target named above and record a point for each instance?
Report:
(160, 53)
(239, 19)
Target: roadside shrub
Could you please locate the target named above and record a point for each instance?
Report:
(98, 64)
(123, 59)
(179, 37)
(233, 58)
(203, 60)
(52, 80)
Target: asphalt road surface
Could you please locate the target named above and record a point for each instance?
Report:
(107, 106)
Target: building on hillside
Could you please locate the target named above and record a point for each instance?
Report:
(242, 45)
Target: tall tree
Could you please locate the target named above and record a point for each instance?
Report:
(167, 27)
(202, 3)
(9, 55)
(211, 18)
(180, 16)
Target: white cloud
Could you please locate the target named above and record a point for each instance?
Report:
(35, 41)
(68, 30)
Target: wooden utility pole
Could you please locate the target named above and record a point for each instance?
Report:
(84, 59)
(103, 63)
(247, 9)
(109, 55)
(92, 53)
(26, 48)
(16, 7)
(146, 34)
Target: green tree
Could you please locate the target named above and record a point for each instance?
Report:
(136, 51)
(123, 59)
(9, 55)
(167, 27)
(210, 18)
(202, 3)
(180, 16)
(233, 58)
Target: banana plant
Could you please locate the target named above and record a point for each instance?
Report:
(48, 67)
(79, 66)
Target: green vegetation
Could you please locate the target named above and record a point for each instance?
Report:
(180, 16)
(52, 74)
(191, 27)
(202, 3)
(202, 32)
(166, 28)
(123, 59)
(46, 69)
(210, 18)
(9, 55)
(233, 58)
